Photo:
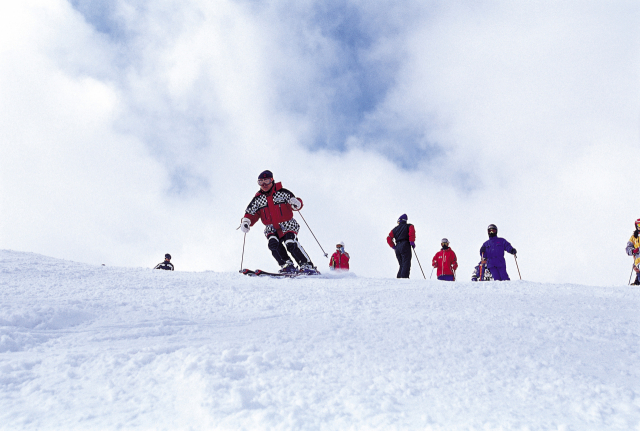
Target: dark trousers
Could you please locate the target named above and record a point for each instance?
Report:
(403, 254)
(288, 242)
(448, 277)
(499, 272)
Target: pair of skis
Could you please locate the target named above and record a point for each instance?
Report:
(261, 273)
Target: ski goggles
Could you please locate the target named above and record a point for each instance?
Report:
(266, 181)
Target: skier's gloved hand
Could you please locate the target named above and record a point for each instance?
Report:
(513, 252)
(635, 250)
(295, 204)
(245, 224)
(413, 244)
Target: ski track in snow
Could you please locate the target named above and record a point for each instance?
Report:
(92, 347)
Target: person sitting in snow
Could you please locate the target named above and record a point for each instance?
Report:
(404, 236)
(485, 276)
(274, 206)
(492, 252)
(166, 265)
(633, 249)
(340, 259)
(446, 262)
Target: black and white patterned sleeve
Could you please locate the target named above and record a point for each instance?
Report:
(282, 196)
(256, 204)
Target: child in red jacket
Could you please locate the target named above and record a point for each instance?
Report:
(340, 259)
(446, 262)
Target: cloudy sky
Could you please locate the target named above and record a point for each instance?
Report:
(134, 128)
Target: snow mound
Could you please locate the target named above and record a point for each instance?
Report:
(93, 347)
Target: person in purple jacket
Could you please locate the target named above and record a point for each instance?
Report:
(492, 252)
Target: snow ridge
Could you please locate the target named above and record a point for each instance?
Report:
(85, 346)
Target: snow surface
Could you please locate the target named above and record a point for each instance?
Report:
(92, 347)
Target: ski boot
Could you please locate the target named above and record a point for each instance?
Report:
(288, 268)
(308, 269)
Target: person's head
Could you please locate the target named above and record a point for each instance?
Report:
(637, 224)
(444, 243)
(167, 257)
(402, 219)
(492, 230)
(340, 246)
(265, 180)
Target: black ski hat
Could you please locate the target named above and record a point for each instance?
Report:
(402, 218)
(265, 174)
(167, 256)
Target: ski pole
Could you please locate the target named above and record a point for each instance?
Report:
(514, 256)
(414, 252)
(242, 261)
(431, 272)
(480, 273)
(630, 275)
(314, 237)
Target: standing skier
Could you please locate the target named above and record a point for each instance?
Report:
(405, 236)
(340, 259)
(274, 206)
(492, 252)
(166, 265)
(446, 262)
(633, 249)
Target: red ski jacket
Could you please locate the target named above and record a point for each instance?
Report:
(339, 261)
(446, 262)
(272, 207)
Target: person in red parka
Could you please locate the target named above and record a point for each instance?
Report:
(274, 206)
(340, 259)
(446, 262)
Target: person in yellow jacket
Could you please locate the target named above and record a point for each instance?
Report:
(633, 249)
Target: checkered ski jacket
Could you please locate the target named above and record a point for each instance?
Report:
(273, 209)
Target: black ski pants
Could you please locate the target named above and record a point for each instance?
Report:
(403, 254)
(288, 242)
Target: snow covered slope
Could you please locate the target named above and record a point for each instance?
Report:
(93, 347)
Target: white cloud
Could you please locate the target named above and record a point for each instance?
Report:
(119, 149)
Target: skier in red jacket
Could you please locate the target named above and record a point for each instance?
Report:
(446, 262)
(274, 206)
(340, 259)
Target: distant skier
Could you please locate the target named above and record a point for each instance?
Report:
(633, 249)
(445, 261)
(492, 252)
(405, 236)
(340, 259)
(274, 206)
(485, 276)
(166, 265)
